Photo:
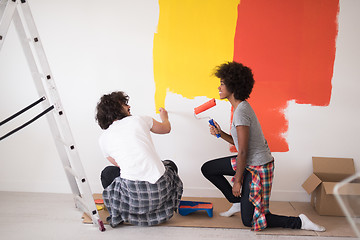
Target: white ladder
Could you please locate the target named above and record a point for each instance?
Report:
(19, 12)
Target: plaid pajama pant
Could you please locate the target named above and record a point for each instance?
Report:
(260, 190)
(142, 203)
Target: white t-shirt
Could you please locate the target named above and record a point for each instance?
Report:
(129, 143)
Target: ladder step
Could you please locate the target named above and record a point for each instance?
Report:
(62, 141)
(72, 172)
(65, 143)
(82, 205)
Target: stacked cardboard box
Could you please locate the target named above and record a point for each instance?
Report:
(327, 172)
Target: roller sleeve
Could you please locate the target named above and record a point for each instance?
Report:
(205, 106)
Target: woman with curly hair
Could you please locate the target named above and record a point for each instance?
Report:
(139, 188)
(252, 168)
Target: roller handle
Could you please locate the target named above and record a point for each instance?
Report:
(211, 121)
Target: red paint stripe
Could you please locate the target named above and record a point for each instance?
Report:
(290, 45)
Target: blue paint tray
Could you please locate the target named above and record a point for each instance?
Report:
(186, 207)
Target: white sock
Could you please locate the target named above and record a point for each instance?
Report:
(307, 224)
(234, 209)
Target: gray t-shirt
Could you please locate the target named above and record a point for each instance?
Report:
(258, 149)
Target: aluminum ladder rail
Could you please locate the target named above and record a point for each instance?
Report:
(19, 12)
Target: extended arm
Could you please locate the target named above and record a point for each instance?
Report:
(164, 126)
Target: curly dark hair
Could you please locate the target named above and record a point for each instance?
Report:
(110, 108)
(237, 78)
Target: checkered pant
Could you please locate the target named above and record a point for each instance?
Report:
(142, 203)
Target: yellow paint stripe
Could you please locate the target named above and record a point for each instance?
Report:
(192, 38)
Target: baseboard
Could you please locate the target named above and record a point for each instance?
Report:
(60, 187)
(276, 195)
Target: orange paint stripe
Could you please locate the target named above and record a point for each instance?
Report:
(207, 206)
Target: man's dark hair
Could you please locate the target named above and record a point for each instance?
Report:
(110, 108)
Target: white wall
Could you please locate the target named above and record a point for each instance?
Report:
(95, 47)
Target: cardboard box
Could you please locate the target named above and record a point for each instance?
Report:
(326, 173)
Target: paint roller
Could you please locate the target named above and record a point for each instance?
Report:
(204, 107)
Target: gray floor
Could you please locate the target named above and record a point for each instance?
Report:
(54, 216)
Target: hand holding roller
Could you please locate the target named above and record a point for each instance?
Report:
(204, 107)
(211, 121)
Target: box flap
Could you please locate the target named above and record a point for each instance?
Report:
(351, 189)
(329, 187)
(333, 169)
(311, 183)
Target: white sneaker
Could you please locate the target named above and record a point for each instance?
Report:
(234, 209)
